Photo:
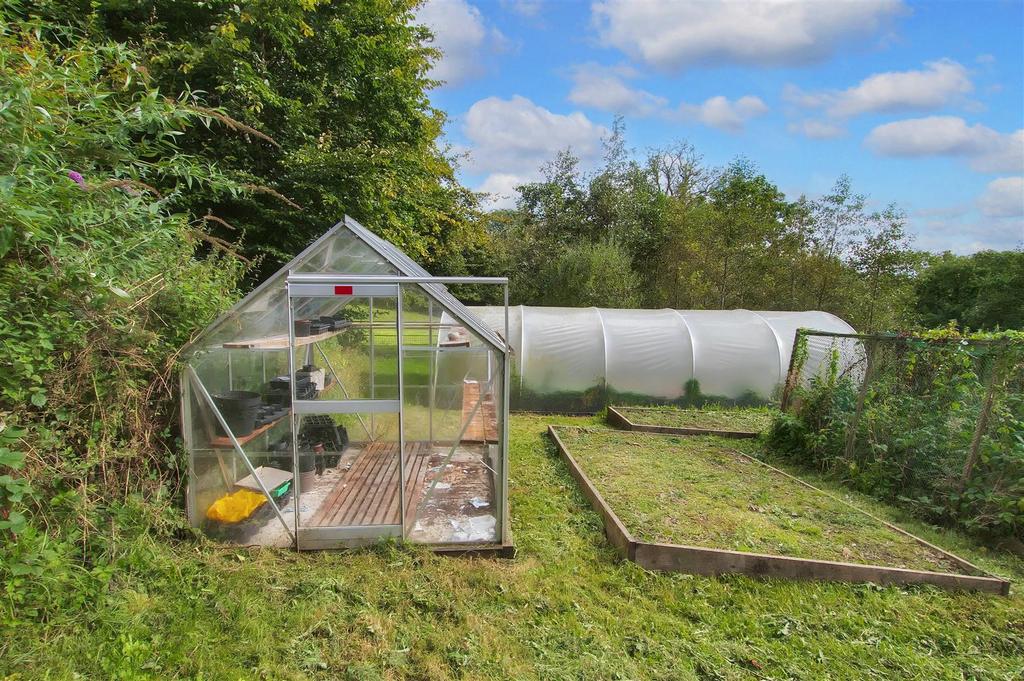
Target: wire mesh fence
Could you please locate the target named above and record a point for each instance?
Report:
(935, 423)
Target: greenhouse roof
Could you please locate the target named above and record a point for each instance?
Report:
(439, 292)
(348, 248)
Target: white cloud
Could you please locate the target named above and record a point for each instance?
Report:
(679, 33)
(1003, 198)
(605, 88)
(517, 136)
(985, 149)
(511, 139)
(501, 188)
(719, 112)
(816, 130)
(526, 8)
(939, 84)
(969, 234)
(463, 37)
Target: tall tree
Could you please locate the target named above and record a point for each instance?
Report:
(332, 95)
(837, 217)
(884, 260)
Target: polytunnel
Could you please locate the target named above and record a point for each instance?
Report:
(580, 359)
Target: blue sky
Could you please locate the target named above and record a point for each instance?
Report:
(921, 103)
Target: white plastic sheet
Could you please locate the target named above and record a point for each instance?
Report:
(656, 353)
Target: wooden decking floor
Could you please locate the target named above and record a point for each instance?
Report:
(368, 492)
(484, 427)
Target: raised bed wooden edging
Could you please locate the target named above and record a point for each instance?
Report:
(620, 420)
(710, 562)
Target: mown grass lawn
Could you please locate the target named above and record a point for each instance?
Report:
(566, 608)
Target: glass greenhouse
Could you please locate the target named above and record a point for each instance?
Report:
(581, 359)
(315, 416)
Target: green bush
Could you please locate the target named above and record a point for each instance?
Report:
(914, 441)
(102, 279)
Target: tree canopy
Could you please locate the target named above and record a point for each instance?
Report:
(983, 291)
(695, 236)
(329, 104)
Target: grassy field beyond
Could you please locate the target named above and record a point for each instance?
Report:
(751, 420)
(702, 491)
(565, 608)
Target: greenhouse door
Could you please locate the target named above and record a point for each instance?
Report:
(346, 395)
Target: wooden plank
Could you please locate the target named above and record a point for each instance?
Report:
(330, 503)
(331, 500)
(415, 484)
(620, 420)
(475, 550)
(705, 561)
(382, 514)
(470, 395)
(344, 486)
(385, 457)
(417, 463)
(393, 513)
(616, 532)
(349, 484)
(224, 442)
(382, 486)
(484, 425)
(280, 342)
(364, 487)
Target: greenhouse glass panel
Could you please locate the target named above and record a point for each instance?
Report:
(315, 414)
(453, 387)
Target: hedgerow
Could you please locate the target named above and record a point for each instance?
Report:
(102, 278)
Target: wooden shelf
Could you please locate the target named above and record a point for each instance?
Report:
(224, 442)
(280, 342)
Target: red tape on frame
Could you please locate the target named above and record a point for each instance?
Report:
(342, 290)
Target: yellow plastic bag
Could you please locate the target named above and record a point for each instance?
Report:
(236, 506)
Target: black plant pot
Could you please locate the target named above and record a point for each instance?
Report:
(301, 327)
(239, 409)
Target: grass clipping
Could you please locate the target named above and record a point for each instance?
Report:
(702, 491)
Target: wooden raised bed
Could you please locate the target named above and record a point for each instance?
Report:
(619, 420)
(708, 561)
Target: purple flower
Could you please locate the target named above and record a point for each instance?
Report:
(77, 178)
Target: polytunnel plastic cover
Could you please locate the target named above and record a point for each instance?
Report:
(654, 355)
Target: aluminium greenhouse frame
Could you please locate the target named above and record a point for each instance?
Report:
(401, 489)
